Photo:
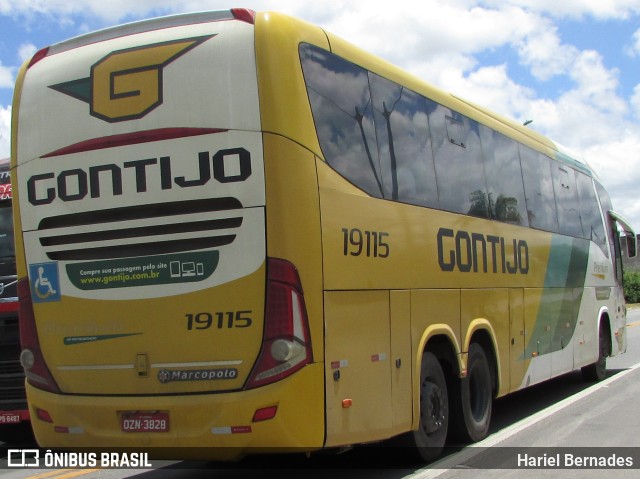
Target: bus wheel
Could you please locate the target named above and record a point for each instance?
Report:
(598, 370)
(430, 437)
(472, 403)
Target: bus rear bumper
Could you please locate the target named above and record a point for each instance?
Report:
(221, 426)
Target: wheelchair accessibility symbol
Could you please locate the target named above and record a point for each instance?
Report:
(45, 282)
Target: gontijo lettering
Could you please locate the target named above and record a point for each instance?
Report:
(77, 183)
(468, 252)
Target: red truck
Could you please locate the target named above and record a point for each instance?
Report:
(14, 414)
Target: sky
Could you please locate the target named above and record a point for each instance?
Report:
(572, 67)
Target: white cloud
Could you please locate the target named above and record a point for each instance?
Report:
(633, 50)
(112, 11)
(590, 112)
(545, 54)
(616, 162)
(609, 9)
(597, 85)
(6, 76)
(420, 32)
(26, 51)
(63, 9)
(5, 131)
(635, 102)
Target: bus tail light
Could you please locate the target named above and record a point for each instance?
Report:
(244, 14)
(35, 368)
(286, 343)
(39, 55)
(264, 414)
(43, 415)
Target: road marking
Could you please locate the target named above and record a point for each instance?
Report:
(440, 467)
(50, 473)
(63, 473)
(630, 325)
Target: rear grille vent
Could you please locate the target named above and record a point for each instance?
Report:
(121, 232)
(12, 391)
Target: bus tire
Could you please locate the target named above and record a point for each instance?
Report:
(472, 402)
(598, 371)
(429, 439)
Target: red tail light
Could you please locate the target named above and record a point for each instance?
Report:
(35, 368)
(286, 343)
(39, 55)
(244, 14)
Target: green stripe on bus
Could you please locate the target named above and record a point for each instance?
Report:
(560, 303)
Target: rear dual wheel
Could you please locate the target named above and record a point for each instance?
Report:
(429, 439)
(472, 399)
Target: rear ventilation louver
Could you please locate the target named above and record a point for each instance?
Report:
(121, 233)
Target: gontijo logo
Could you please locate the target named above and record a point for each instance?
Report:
(127, 84)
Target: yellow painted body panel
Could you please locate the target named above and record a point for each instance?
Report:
(433, 313)
(284, 106)
(293, 223)
(200, 426)
(166, 342)
(357, 366)
(517, 362)
(488, 309)
(401, 360)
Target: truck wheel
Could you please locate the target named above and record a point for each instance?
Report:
(429, 439)
(473, 399)
(598, 370)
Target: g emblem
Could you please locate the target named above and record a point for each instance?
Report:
(127, 84)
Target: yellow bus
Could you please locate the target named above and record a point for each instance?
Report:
(239, 233)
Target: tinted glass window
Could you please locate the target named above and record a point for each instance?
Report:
(504, 178)
(343, 113)
(612, 226)
(592, 225)
(404, 144)
(393, 143)
(605, 202)
(538, 188)
(567, 204)
(458, 161)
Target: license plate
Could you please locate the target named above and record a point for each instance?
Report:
(145, 421)
(9, 418)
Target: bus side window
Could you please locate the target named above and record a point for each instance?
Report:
(568, 207)
(538, 188)
(612, 228)
(605, 204)
(504, 178)
(592, 225)
(341, 105)
(404, 143)
(458, 160)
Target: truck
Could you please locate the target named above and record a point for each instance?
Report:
(14, 414)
